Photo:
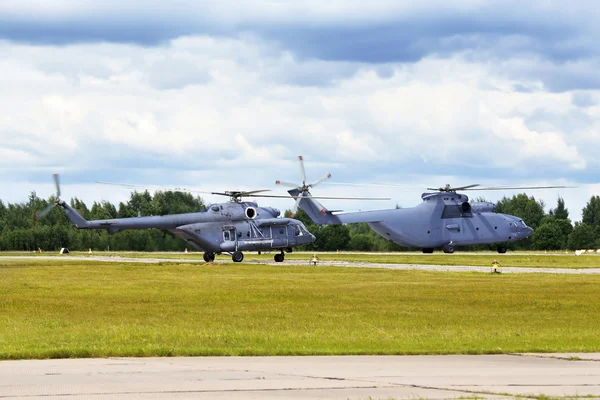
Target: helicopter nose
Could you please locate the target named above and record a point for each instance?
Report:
(528, 231)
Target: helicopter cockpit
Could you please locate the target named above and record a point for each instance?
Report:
(300, 230)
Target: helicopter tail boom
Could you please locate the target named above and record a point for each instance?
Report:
(315, 210)
(75, 218)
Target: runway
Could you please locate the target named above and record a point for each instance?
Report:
(224, 259)
(343, 377)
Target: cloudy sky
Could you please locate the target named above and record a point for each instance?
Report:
(217, 95)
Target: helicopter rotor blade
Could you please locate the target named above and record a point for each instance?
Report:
(302, 172)
(467, 187)
(521, 187)
(296, 205)
(57, 183)
(254, 191)
(449, 188)
(318, 197)
(288, 184)
(382, 184)
(321, 179)
(41, 214)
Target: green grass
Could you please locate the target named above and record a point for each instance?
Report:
(521, 259)
(517, 259)
(70, 308)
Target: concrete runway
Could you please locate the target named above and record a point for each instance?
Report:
(344, 377)
(226, 259)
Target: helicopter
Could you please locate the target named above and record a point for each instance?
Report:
(230, 228)
(444, 219)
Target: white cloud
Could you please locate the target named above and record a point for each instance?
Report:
(229, 113)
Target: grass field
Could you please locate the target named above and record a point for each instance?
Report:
(70, 308)
(521, 259)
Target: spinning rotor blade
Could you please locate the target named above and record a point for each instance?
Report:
(375, 184)
(522, 187)
(302, 172)
(449, 188)
(321, 179)
(229, 193)
(56, 182)
(296, 205)
(255, 191)
(319, 197)
(46, 210)
(239, 193)
(466, 187)
(287, 184)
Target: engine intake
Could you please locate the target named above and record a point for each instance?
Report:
(250, 212)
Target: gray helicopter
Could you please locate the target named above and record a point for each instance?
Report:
(445, 219)
(229, 228)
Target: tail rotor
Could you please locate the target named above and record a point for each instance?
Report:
(41, 214)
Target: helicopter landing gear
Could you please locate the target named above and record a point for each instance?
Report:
(279, 257)
(237, 256)
(427, 251)
(209, 257)
(449, 248)
(501, 249)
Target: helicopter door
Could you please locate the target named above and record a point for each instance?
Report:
(292, 232)
(279, 234)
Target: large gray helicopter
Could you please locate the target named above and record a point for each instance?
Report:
(229, 228)
(445, 219)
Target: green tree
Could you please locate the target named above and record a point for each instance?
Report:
(548, 237)
(582, 237)
(333, 237)
(564, 225)
(560, 212)
(591, 215)
(361, 242)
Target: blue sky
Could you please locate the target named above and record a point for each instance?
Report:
(218, 95)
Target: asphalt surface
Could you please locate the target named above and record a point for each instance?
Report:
(343, 377)
(224, 259)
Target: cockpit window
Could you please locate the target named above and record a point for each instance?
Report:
(297, 231)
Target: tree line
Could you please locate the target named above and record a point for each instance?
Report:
(19, 231)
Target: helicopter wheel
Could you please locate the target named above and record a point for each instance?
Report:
(209, 257)
(448, 249)
(427, 251)
(501, 249)
(237, 256)
(279, 257)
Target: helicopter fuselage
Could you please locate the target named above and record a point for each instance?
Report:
(441, 220)
(222, 228)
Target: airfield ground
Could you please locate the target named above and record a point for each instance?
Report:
(515, 376)
(139, 304)
(68, 307)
